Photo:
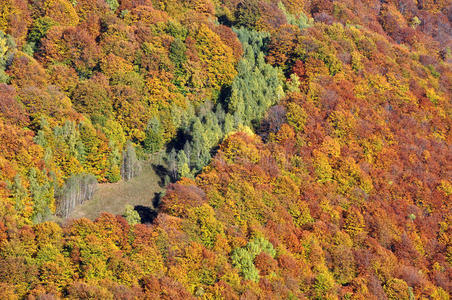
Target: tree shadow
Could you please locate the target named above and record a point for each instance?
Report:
(156, 199)
(161, 172)
(224, 96)
(178, 141)
(147, 214)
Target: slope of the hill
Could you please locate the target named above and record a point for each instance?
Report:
(78, 79)
(343, 191)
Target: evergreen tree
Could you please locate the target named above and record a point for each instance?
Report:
(200, 145)
(42, 193)
(228, 123)
(154, 136)
(258, 85)
(183, 168)
(213, 129)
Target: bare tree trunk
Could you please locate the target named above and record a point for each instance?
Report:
(130, 165)
(76, 190)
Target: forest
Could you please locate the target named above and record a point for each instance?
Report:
(307, 148)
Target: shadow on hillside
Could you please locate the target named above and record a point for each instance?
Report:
(156, 200)
(147, 214)
(161, 172)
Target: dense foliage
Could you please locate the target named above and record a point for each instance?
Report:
(343, 190)
(77, 80)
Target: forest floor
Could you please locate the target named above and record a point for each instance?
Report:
(140, 192)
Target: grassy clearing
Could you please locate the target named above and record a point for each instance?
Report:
(112, 197)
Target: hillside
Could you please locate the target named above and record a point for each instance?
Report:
(307, 149)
